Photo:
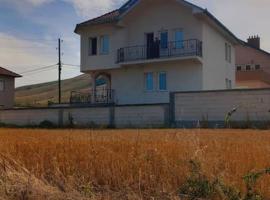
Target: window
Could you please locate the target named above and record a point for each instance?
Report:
(248, 67)
(164, 40)
(149, 81)
(162, 79)
(228, 84)
(179, 37)
(257, 67)
(93, 46)
(2, 85)
(104, 44)
(238, 68)
(228, 52)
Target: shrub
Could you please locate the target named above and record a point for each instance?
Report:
(47, 124)
(197, 185)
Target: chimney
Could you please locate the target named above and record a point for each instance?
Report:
(254, 41)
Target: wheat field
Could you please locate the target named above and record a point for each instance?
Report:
(124, 164)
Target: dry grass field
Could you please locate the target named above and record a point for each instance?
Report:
(124, 164)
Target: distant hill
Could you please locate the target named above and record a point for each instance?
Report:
(40, 94)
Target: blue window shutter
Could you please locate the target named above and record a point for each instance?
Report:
(164, 40)
(179, 37)
(149, 81)
(105, 44)
(162, 81)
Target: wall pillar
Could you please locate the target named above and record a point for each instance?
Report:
(93, 87)
(112, 117)
(172, 110)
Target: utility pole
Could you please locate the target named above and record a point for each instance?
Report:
(59, 71)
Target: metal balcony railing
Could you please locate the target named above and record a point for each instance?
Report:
(99, 96)
(185, 48)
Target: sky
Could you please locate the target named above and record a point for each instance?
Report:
(29, 30)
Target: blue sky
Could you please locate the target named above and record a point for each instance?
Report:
(29, 30)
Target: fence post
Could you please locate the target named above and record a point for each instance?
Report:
(172, 110)
(112, 116)
(60, 117)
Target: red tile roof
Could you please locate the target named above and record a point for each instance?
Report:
(106, 18)
(6, 72)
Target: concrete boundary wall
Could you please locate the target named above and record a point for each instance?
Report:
(186, 109)
(190, 108)
(154, 115)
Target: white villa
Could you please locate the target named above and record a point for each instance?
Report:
(146, 49)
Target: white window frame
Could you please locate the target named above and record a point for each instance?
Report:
(166, 74)
(2, 89)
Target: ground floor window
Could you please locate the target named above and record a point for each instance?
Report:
(162, 79)
(155, 81)
(228, 84)
(149, 81)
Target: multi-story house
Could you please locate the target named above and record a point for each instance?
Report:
(149, 48)
(252, 65)
(7, 88)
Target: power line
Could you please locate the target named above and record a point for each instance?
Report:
(71, 65)
(38, 69)
(38, 72)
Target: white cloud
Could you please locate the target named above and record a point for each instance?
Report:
(21, 55)
(93, 8)
(37, 2)
(84, 8)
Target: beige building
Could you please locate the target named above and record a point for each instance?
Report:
(252, 65)
(148, 48)
(7, 88)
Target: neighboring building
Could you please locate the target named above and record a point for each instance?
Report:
(7, 88)
(149, 48)
(252, 65)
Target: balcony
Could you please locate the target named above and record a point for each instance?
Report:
(157, 51)
(99, 96)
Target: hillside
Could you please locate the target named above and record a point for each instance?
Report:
(40, 94)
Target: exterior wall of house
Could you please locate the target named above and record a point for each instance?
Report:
(132, 29)
(249, 79)
(129, 83)
(247, 55)
(182, 75)
(117, 37)
(159, 15)
(215, 67)
(7, 95)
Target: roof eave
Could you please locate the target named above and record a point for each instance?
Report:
(227, 32)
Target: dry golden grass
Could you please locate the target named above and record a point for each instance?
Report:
(125, 164)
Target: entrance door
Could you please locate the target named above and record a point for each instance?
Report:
(150, 45)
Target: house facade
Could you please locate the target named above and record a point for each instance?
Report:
(149, 48)
(252, 65)
(7, 88)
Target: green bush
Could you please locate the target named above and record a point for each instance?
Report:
(47, 124)
(198, 186)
